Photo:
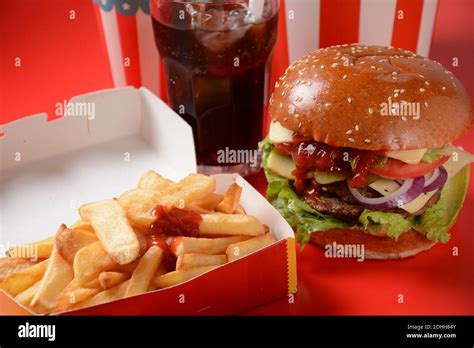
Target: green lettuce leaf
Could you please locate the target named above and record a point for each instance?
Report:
(298, 213)
(431, 155)
(392, 223)
(437, 220)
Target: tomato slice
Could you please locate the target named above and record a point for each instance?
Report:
(395, 169)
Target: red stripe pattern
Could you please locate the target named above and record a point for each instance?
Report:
(406, 25)
(339, 22)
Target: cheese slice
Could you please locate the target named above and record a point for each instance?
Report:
(407, 156)
(459, 159)
(279, 134)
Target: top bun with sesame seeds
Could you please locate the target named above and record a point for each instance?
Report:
(347, 96)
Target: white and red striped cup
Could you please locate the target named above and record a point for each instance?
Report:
(304, 25)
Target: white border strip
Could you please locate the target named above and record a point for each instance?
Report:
(426, 27)
(376, 22)
(303, 29)
(114, 49)
(148, 53)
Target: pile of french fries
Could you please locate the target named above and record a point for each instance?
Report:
(106, 254)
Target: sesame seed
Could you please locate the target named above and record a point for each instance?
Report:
(285, 119)
(422, 90)
(394, 78)
(402, 90)
(367, 141)
(277, 84)
(349, 100)
(313, 97)
(344, 77)
(404, 118)
(427, 83)
(426, 104)
(298, 99)
(298, 82)
(334, 65)
(394, 73)
(454, 84)
(349, 131)
(351, 140)
(322, 66)
(291, 109)
(299, 125)
(362, 62)
(281, 105)
(327, 105)
(395, 95)
(443, 88)
(297, 115)
(372, 67)
(283, 93)
(356, 127)
(371, 111)
(422, 76)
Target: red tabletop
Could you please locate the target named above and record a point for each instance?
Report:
(62, 57)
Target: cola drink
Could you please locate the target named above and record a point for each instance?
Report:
(216, 58)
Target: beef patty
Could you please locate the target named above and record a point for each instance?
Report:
(337, 200)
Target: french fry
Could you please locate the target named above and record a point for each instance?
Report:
(10, 265)
(112, 294)
(90, 261)
(22, 280)
(74, 293)
(83, 226)
(37, 250)
(154, 181)
(186, 261)
(109, 279)
(154, 281)
(138, 204)
(219, 224)
(206, 204)
(144, 272)
(69, 242)
(177, 277)
(26, 296)
(212, 246)
(57, 276)
(241, 249)
(231, 199)
(239, 210)
(113, 230)
(192, 188)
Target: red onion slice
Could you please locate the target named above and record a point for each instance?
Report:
(439, 177)
(410, 189)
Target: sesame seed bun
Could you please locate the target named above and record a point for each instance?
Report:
(340, 95)
(375, 248)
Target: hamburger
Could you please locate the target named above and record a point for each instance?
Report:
(359, 149)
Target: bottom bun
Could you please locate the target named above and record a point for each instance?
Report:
(376, 248)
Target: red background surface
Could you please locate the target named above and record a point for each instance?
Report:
(62, 58)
